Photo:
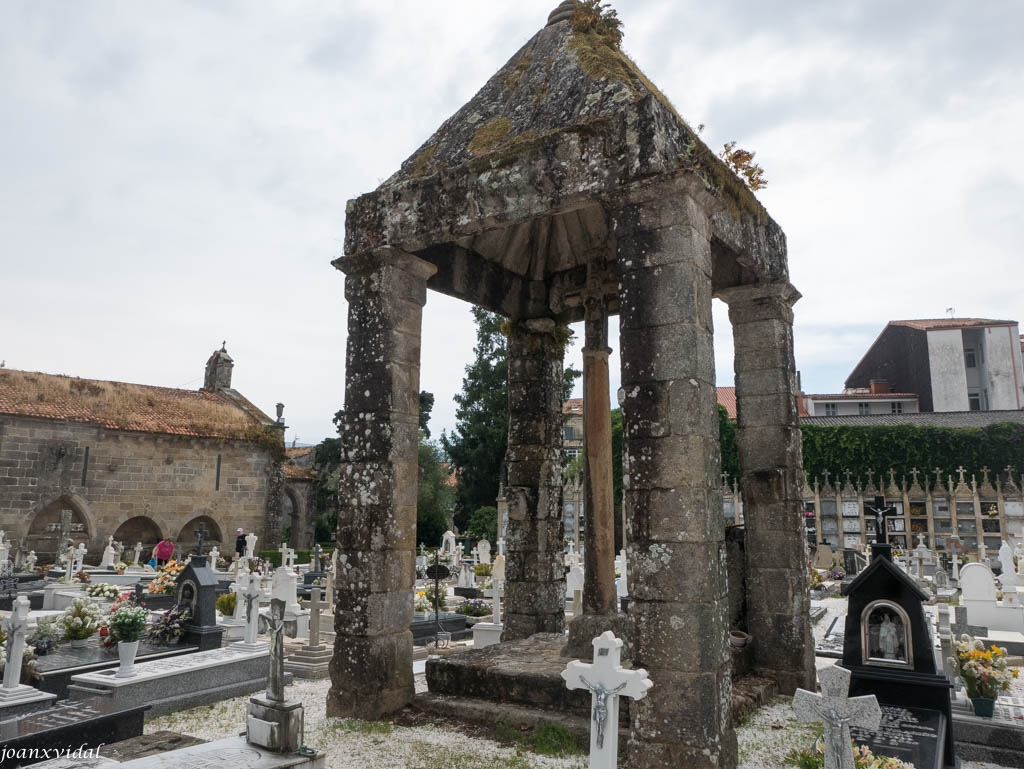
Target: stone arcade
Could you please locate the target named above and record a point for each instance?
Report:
(568, 189)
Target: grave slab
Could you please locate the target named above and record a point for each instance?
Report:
(232, 752)
(913, 735)
(61, 664)
(180, 682)
(999, 739)
(68, 725)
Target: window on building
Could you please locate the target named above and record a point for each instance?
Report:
(572, 453)
(831, 409)
(974, 401)
(569, 434)
(863, 409)
(896, 408)
(970, 359)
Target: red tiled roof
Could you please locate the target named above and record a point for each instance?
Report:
(123, 406)
(295, 452)
(296, 473)
(572, 406)
(948, 323)
(727, 398)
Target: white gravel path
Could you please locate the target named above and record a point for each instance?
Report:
(763, 740)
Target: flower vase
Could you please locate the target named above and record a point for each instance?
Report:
(983, 706)
(126, 651)
(79, 643)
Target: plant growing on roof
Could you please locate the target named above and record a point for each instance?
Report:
(593, 15)
(741, 162)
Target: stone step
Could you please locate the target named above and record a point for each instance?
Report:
(527, 674)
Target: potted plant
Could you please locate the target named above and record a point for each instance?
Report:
(984, 672)
(126, 626)
(81, 621)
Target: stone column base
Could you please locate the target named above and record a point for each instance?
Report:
(276, 726)
(585, 628)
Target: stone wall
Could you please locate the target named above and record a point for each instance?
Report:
(108, 477)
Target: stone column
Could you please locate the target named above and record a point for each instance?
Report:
(371, 672)
(598, 506)
(676, 551)
(534, 574)
(272, 522)
(771, 475)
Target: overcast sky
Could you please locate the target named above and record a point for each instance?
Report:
(174, 174)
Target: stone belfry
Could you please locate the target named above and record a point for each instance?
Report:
(218, 370)
(569, 189)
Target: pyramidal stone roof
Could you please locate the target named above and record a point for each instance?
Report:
(569, 103)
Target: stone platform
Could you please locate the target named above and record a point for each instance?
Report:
(999, 740)
(521, 681)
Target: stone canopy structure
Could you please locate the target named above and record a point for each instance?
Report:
(570, 189)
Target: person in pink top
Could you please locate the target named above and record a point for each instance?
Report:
(163, 551)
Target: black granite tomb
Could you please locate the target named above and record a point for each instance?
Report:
(197, 589)
(63, 662)
(66, 727)
(425, 627)
(915, 736)
(888, 649)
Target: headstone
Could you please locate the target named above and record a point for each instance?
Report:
(573, 581)
(69, 565)
(251, 592)
(498, 569)
(1008, 579)
(287, 556)
(16, 697)
(823, 557)
(214, 556)
(483, 551)
(448, 544)
(313, 659)
(79, 560)
(274, 722)
(317, 558)
(489, 633)
(606, 680)
(941, 579)
(137, 553)
(889, 649)
(285, 589)
(30, 561)
(467, 577)
(838, 712)
(197, 589)
(250, 545)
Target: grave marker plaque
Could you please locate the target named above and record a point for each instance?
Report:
(912, 735)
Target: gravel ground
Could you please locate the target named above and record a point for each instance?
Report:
(763, 740)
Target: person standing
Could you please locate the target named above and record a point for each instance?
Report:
(163, 551)
(240, 542)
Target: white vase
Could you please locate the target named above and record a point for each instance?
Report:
(80, 643)
(126, 651)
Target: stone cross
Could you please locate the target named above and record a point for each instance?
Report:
(501, 546)
(16, 626)
(250, 545)
(80, 557)
(251, 593)
(66, 516)
(284, 586)
(200, 536)
(69, 564)
(138, 552)
(214, 555)
(839, 712)
(960, 471)
(606, 680)
(274, 626)
(496, 611)
(287, 556)
(317, 555)
(315, 607)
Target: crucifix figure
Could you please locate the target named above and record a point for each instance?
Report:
(274, 626)
(200, 536)
(839, 712)
(251, 593)
(881, 513)
(317, 554)
(16, 627)
(606, 680)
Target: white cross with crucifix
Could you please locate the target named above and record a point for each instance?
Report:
(606, 680)
(839, 712)
(287, 556)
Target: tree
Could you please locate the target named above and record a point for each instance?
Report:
(436, 496)
(483, 524)
(477, 446)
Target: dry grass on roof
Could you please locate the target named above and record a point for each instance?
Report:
(118, 405)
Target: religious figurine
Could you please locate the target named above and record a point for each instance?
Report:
(888, 639)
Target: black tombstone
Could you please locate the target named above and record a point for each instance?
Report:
(888, 649)
(197, 589)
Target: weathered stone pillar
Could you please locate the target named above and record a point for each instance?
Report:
(771, 476)
(676, 552)
(275, 503)
(534, 574)
(371, 671)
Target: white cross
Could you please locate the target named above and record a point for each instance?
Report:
(839, 712)
(287, 556)
(607, 680)
(251, 594)
(16, 626)
(315, 606)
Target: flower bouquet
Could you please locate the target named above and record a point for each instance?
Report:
(81, 620)
(47, 634)
(170, 627)
(474, 607)
(863, 758)
(166, 579)
(128, 623)
(30, 672)
(120, 567)
(983, 671)
(102, 591)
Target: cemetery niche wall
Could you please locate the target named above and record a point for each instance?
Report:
(569, 189)
(135, 461)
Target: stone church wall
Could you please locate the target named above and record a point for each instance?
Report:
(108, 477)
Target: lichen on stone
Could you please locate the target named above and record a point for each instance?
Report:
(490, 135)
(421, 163)
(512, 81)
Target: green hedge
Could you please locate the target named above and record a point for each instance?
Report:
(877, 448)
